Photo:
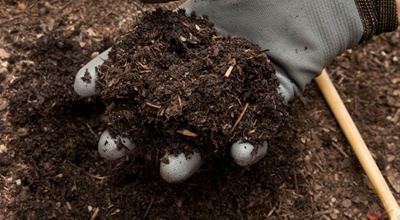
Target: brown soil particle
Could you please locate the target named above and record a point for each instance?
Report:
(175, 82)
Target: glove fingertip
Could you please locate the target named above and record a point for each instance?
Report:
(175, 169)
(85, 79)
(245, 154)
(108, 146)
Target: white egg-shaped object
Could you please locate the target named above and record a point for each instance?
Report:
(85, 79)
(243, 155)
(108, 148)
(175, 169)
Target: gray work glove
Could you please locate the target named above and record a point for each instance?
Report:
(300, 37)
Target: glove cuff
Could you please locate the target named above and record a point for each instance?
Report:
(377, 16)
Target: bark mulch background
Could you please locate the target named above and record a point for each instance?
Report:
(50, 167)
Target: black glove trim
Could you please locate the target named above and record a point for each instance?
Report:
(377, 16)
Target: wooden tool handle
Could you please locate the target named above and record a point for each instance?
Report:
(357, 143)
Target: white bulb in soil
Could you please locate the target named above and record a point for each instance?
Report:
(243, 155)
(109, 149)
(85, 79)
(174, 169)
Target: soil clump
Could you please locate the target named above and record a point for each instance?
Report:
(53, 133)
(176, 83)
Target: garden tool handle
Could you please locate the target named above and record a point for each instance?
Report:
(359, 147)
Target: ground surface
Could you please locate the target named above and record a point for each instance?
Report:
(50, 168)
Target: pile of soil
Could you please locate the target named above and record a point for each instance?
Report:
(50, 167)
(52, 160)
(176, 83)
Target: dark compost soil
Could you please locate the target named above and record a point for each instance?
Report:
(175, 83)
(58, 131)
(50, 167)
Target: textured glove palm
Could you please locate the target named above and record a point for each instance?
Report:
(301, 37)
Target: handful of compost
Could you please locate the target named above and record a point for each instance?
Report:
(177, 84)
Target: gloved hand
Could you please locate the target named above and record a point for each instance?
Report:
(300, 37)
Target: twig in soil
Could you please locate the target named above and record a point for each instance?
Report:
(95, 213)
(91, 131)
(64, 6)
(82, 17)
(186, 133)
(153, 106)
(68, 205)
(143, 66)
(109, 108)
(340, 150)
(106, 15)
(324, 212)
(295, 182)
(271, 212)
(180, 101)
(229, 70)
(148, 208)
(396, 116)
(240, 117)
(96, 177)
